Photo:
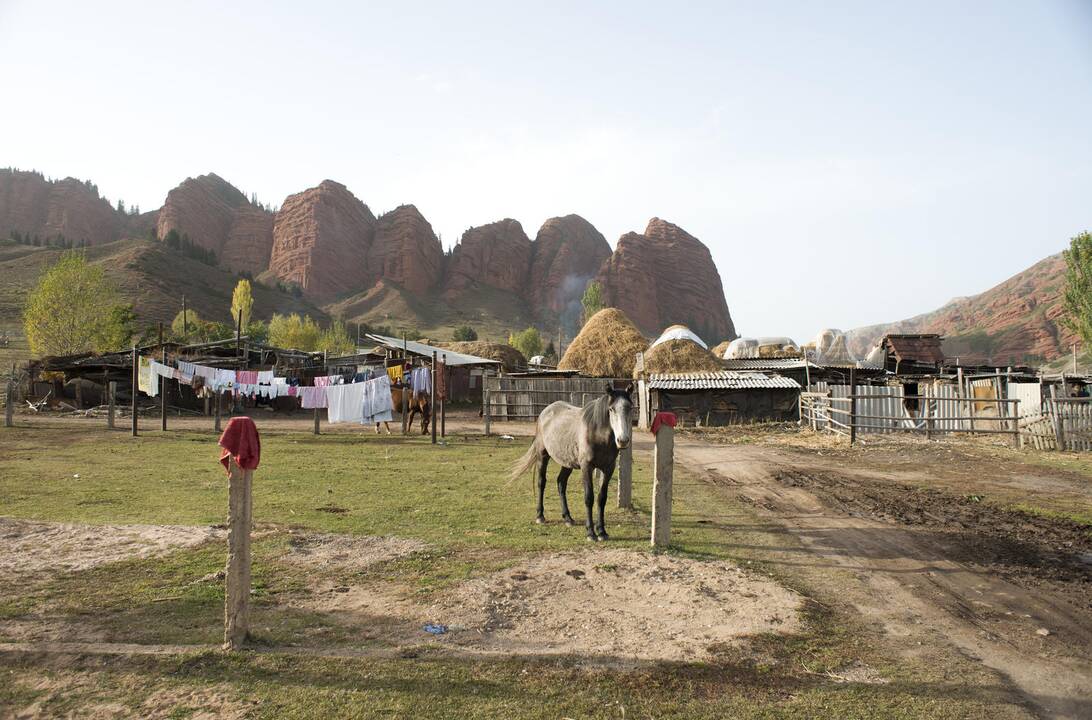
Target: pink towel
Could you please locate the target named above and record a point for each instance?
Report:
(313, 397)
(246, 377)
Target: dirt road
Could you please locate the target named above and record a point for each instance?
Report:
(1008, 590)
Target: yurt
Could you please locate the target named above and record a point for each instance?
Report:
(677, 351)
(606, 346)
(762, 347)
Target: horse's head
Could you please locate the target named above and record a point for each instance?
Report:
(621, 414)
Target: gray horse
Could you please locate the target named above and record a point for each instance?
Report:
(584, 439)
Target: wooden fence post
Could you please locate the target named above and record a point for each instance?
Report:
(316, 421)
(111, 394)
(237, 596)
(219, 401)
(9, 406)
(136, 387)
(432, 398)
(1058, 422)
(852, 405)
(625, 478)
(485, 402)
(162, 384)
(443, 404)
(1017, 439)
(664, 467)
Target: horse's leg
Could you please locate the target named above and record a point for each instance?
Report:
(541, 516)
(601, 503)
(562, 486)
(589, 496)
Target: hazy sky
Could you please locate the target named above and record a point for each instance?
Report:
(847, 163)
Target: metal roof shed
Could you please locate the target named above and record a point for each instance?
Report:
(424, 350)
(722, 398)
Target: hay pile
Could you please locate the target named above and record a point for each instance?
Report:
(680, 356)
(718, 351)
(607, 346)
(511, 358)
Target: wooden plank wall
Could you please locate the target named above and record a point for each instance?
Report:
(523, 398)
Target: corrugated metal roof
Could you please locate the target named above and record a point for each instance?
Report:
(454, 359)
(721, 381)
(921, 348)
(764, 364)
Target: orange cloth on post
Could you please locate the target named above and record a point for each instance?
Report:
(240, 442)
(440, 381)
(663, 418)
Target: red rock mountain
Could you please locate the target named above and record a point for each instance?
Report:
(565, 256)
(667, 276)
(217, 216)
(1013, 322)
(406, 251)
(321, 241)
(50, 209)
(393, 270)
(496, 255)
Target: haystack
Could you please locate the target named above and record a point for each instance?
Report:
(607, 346)
(511, 358)
(680, 356)
(718, 351)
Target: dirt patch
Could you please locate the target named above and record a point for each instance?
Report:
(347, 553)
(30, 548)
(1027, 549)
(617, 603)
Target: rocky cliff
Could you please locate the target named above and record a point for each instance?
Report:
(496, 255)
(666, 276)
(1014, 322)
(217, 216)
(565, 256)
(32, 206)
(321, 241)
(406, 251)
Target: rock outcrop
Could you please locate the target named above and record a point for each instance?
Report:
(667, 276)
(406, 251)
(70, 209)
(321, 241)
(565, 256)
(496, 255)
(1014, 322)
(217, 216)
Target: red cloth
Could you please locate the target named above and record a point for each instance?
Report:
(240, 442)
(663, 418)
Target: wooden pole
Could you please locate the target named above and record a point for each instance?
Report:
(9, 406)
(405, 386)
(625, 478)
(664, 462)
(136, 387)
(432, 398)
(1017, 440)
(237, 595)
(852, 405)
(447, 391)
(219, 409)
(185, 322)
(111, 396)
(316, 421)
(1059, 423)
(162, 384)
(485, 405)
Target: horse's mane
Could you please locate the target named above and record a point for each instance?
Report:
(596, 414)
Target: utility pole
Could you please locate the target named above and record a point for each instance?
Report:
(185, 320)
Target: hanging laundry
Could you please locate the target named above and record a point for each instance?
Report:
(265, 377)
(377, 405)
(395, 373)
(161, 370)
(147, 381)
(186, 368)
(246, 377)
(225, 379)
(293, 391)
(345, 403)
(206, 372)
(421, 381)
(313, 397)
(280, 381)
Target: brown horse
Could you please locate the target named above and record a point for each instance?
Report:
(418, 403)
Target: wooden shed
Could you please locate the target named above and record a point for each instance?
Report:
(720, 398)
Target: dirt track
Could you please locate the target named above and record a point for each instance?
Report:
(930, 563)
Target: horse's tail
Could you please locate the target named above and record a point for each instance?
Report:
(526, 461)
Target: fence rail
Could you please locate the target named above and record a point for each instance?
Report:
(523, 398)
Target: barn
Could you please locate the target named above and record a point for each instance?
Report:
(720, 398)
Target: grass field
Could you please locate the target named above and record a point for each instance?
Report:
(456, 499)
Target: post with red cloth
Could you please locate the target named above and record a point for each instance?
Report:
(241, 451)
(663, 427)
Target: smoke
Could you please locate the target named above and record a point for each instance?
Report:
(568, 297)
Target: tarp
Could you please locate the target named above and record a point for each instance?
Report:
(679, 332)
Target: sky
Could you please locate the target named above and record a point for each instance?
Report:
(847, 163)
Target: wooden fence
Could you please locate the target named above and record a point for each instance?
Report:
(523, 398)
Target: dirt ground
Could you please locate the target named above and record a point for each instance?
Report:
(1007, 588)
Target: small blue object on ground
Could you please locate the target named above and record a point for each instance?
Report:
(435, 629)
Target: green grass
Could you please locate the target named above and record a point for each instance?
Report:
(455, 498)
